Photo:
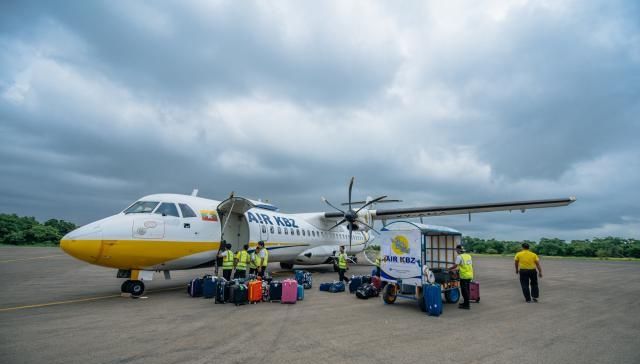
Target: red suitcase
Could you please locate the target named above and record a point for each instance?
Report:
(474, 291)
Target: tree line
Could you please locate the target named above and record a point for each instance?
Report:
(26, 230)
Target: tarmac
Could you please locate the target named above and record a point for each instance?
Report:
(55, 309)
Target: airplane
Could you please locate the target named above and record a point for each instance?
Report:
(165, 232)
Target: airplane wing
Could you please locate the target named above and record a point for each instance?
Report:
(388, 214)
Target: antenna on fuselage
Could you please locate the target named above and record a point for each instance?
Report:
(194, 193)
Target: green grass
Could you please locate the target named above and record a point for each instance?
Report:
(37, 245)
(563, 257)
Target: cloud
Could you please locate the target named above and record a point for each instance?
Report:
(432, 103)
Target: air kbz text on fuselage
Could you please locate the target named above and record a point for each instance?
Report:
(266, 219)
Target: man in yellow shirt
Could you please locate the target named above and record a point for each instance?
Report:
(526, 263)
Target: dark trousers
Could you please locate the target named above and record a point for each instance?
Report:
(226, 274)
(378, 272)
(253, 271)
(526, 276)
(341, 276)
(240, 273)
(262, 271)
(464, 288)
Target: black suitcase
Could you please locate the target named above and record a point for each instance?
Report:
(239, 294)
(275, 291)
(367, 291)
(222, 291)
(366, 279)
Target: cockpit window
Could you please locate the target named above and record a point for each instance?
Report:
(167, 209)
(186, 210)
(141, 207)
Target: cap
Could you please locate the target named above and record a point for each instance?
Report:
(459, 247)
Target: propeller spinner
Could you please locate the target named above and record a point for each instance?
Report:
(351, 216)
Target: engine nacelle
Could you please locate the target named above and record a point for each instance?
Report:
(318, 255)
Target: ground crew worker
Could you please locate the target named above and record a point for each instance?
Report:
(526, 263)
(253, 262)
(465, 265)
(219, 258)
(242, 259)
(377, 263)
(263, 259)
(342, 265)
(227, 261)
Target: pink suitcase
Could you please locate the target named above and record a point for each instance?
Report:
(474, 291)
(289, 291)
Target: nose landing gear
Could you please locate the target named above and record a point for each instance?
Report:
(136, 288)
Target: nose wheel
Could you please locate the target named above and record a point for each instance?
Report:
(136, 288)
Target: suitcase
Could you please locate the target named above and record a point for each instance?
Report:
(265, 291)
(433, 299)
(239, 294)
(209, 287)
(474, 291)
(354, 283)
(255, 291)
(195, 287)
(366, 279)
(336, 287)
(367, 291)
(308, 280)
(377, 282)
(325, 286)
(300, 293)
(275, 291)
(222, 291)
(299, 276)
(289, 291)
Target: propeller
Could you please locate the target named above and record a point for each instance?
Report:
(351, 216)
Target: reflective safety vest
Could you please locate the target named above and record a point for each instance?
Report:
(342, 261)
(227, 263)
(265, 260)
(243, 258)
(466, 267)
(253, 260)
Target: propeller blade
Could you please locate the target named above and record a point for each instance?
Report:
(350, 233)
(367, 225)
(329, 203)
(350, 188)
(338, 224)
(371, 202)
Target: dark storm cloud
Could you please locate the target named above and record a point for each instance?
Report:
(104, 102)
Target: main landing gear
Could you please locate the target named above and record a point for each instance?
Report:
(136, 288)
(287, 266)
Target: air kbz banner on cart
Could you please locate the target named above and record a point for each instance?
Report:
(401, 253)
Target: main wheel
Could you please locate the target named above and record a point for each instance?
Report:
(136, 288)
(287, 266)
(389, 294)
(452, 295)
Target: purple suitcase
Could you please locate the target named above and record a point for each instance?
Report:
(289, 291)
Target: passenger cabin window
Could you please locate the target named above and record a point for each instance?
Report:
(186, 210)
(279, 230)
(286, 231)
(264, 229)
(298, 231)
(303, 234)
(272, 230)
(141, 207)
(167, 209)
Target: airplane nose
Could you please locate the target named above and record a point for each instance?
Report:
(86, 248)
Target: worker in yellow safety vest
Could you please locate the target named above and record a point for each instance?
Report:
(227, 261)
(242, 259)
(342, 265)
(253, 262)
(263, 259)
(464, 264)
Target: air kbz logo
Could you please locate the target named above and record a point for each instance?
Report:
(400, 247)
(266, 219)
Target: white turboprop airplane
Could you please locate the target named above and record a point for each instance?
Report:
(165, 232)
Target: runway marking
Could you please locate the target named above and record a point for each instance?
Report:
(21, 259)
(79, 300)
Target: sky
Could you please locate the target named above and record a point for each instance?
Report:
(430, 102)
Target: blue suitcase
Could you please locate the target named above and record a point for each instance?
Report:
(355, 283)
(325, 286)
(336, 287)
(195, 287)
(300, 293)
(209, 287)
(299, 276)
(433, 299)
